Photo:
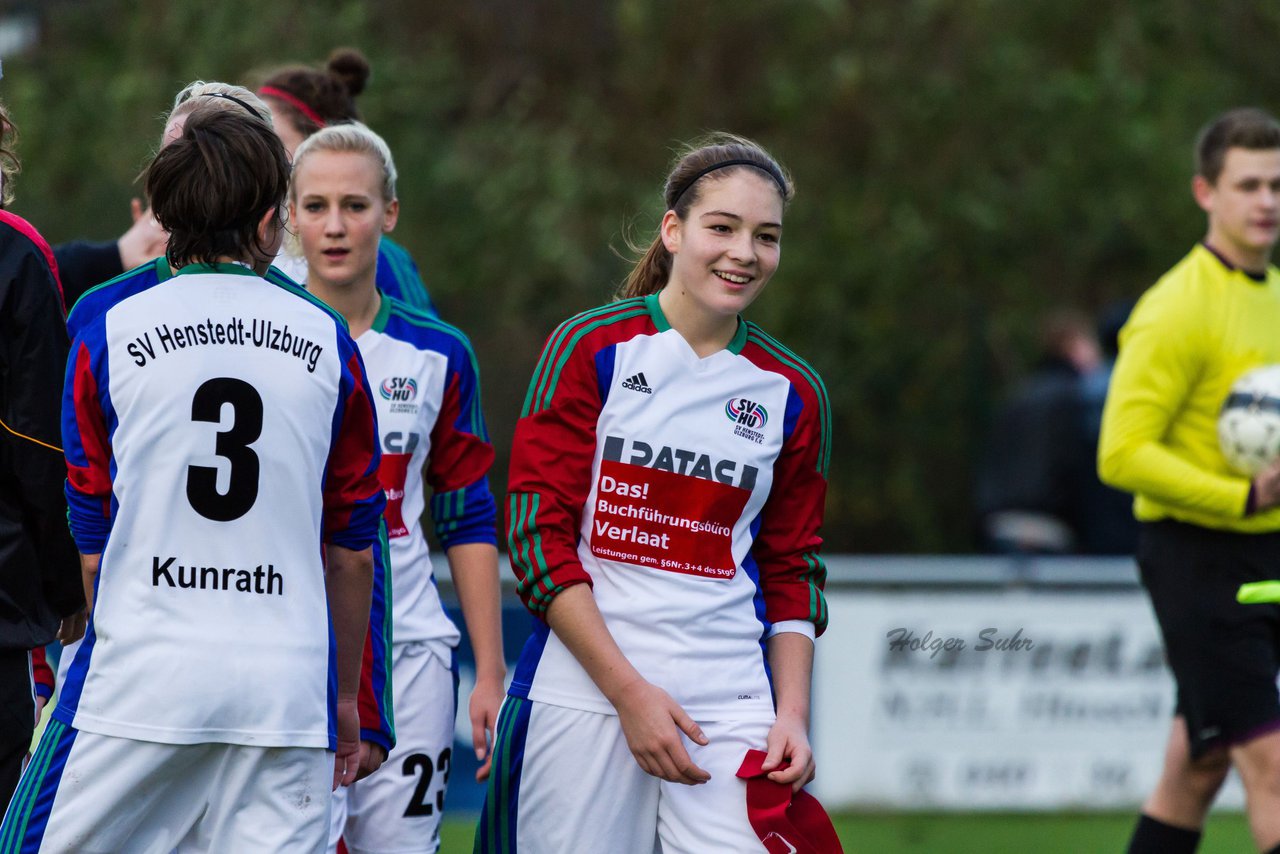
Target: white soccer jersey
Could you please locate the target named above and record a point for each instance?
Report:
(687, 491)
(197, 470)
(427, 392)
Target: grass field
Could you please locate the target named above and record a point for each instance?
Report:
(971, 833)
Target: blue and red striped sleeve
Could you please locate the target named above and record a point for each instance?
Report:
(554, 448)
(86, 442)
(462, 505)
(374, 699)
(787, 545)
(41, 673)
(353, 496)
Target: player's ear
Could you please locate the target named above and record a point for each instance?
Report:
(390, 215)
(1202, 191)
(268, 225)
(669, 231)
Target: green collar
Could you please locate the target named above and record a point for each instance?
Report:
(384, 311)
(216, 267)
(163, 271)
(735, 345)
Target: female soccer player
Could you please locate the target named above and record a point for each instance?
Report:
(303, 100)
(375, 716)
(222, 481)
(667, 483)
(342, 202)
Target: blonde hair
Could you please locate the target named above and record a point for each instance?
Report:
(355, 138)
(226, 96)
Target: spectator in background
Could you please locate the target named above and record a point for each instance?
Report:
(1037, 491)
(1104, 515)
(40, 592)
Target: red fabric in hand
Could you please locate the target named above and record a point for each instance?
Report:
(785, 823)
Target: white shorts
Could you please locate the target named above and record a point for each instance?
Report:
(565, 780)
(397, 809)
(93, 794)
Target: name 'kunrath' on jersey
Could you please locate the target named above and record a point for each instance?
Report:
(197, 471)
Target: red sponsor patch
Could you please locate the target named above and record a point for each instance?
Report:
(666, 520)
(392, 474)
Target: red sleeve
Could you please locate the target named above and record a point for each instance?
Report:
(552, 453)
(353, 495)
(787, 546)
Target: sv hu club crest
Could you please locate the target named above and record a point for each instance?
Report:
(748, 413)
(399, 389)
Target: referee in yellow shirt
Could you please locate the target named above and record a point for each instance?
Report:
(1205, 529)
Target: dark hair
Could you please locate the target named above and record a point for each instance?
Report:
(308, 94)
(10, 166)
(711, 158)
(210, 187)
(1244, 127)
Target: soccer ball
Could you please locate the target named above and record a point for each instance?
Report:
(1249, 423)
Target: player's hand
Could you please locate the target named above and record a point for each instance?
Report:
(1266, 487)
(652, 723)
(40, 704)
(144, 240)
(346, 761)
(71, 629)
(486, 699)
(788, 742)
(371, 757)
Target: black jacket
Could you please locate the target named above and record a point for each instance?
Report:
(83, 264)
(39, 566)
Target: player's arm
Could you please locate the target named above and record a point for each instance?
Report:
(465, 517)
(88, 457)
(550, 472)
(353, 505)
(474, 567)
(42, 676)
(377, 733)
(348, 583)
(1158, 364)
(793, 575)
(791, 663)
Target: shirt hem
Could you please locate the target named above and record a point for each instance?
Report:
(118, 729)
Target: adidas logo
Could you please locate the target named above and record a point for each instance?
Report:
(637, 383)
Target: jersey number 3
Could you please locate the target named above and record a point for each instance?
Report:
(232, 445)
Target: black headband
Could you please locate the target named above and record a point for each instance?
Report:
(724, 164)
(234, 99)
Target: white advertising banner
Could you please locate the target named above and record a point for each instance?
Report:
(1002, 700)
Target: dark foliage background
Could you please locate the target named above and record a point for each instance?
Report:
(962, 167)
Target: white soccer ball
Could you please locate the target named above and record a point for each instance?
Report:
(1249, 423)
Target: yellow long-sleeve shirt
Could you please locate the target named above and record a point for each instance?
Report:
(1189, 338)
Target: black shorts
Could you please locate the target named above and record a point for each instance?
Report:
(17, 718)
(1224, 656)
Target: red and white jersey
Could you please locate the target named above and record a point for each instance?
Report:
(426, 387)
(687, 491)
(218, 430)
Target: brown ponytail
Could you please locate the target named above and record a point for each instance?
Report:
(713, 157)
(312, 98)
